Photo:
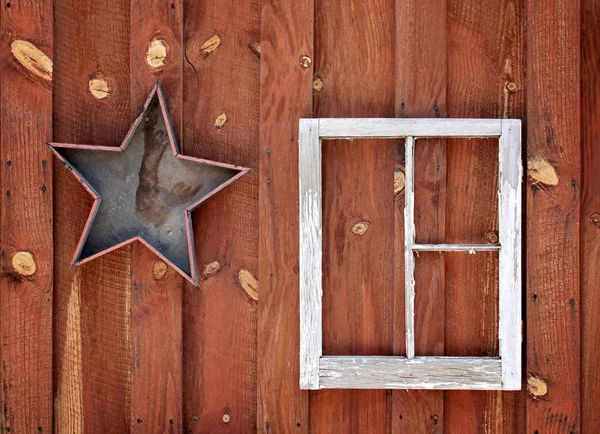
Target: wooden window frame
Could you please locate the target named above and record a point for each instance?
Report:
(411, 372)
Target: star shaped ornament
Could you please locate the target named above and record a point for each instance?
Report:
(145, 190)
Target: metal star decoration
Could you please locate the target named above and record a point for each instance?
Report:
(145, 189)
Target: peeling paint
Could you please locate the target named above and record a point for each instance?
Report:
(159, 269)
(157, 53)
(220, 121)
(99, 86)
(32, 58)
(536, 387)
(249, 283)
(361, 227)
(211, 268)
(24, 264)
(399, 181)
(541, 171)
(211, 44)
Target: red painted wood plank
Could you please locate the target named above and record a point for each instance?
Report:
(92, 303)
(156, 54)
(590, 215)
(485, 79)
(553, 216)
(355, 62)
(221, 113)
(287, 57)
(421, 92)
(26, 218)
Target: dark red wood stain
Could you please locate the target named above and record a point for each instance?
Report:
(26, 218)
(421, 74)
(92, 357)
(156, 54)
(221, 119)
(120, 344)
(590, 215)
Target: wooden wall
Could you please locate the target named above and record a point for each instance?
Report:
(119, 345)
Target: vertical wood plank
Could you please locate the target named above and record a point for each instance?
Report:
(156, 54)
(553, 216)
(485, 79)
(311, 254)
(286, 95)
(355, 65)
(92, 303)
(421, 92)
(590, 215)
(26, 218)
(221, 113)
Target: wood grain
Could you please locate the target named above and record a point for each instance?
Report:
(485, 59)
(311, 252)
(156, 54)
(351, 372)
(92, 304)
(421, 74)
(26, 217)
(553, 217)
(221, 115)
(590, 215)
(358, 289)
(286, 96)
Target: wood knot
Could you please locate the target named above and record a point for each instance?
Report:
(32, 58)
(157, 53)
(220, 121)
(511, 86)
(211, 268)
(595, 218)
(399, 181)
(249, 283)
(255, 48)
(492, 237)
(210, 44)
(305, 61)
(317, 84)
(98, 86)
(361, 227)
(159, 269)
(536, 387)
(23, 263)
(541, 171)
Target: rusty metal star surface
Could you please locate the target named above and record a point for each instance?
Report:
(145, 189)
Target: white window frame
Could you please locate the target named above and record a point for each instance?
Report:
(411, 372)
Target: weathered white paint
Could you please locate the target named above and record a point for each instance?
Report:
(411, 372)
(419, 128)
(347, 372)
(456, 247)
(311, 241)
(409, 239)
(510, 177)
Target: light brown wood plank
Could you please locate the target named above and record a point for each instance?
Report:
(156, 53)
(26, 218)
(92, 303)
(221, 118)
(421, 92)
(553, 216)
